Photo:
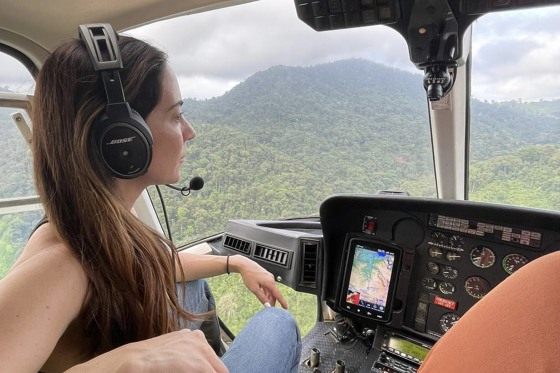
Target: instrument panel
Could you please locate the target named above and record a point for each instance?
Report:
(408, 268)
(454, 252)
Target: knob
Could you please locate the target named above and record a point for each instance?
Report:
(383, 358)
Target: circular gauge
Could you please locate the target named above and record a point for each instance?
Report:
(477, 286)
(456, 241)
(446, 288)
(483, 257)
(447, 320)
(439, 237)
(512, 262)
(449, 272)
(433, 268)
(453, 256)
(435, 252)
(429, 283)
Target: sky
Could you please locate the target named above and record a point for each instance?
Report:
(211, 52)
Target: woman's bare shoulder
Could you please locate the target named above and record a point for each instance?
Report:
(44, 239)
(47, 259)
(39, 297)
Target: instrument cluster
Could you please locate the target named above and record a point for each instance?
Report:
(457, 270)
(454, 252)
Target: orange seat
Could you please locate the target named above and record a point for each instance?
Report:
(513, 329)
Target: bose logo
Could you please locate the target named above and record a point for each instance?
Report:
(121, 141)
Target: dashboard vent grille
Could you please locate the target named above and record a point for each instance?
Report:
(237, 244)
(310, 263)
(272, 255)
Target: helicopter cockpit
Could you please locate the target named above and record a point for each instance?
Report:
(387, 263)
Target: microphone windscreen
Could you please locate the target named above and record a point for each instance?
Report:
(196, 183)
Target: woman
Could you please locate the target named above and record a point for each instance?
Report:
(94, 289)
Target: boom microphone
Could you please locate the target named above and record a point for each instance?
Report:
(196, 183)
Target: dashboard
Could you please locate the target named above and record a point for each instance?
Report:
(400, 270)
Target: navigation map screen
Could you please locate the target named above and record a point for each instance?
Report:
(369, 279)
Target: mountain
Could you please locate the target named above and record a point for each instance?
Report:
(300, 112)
(279, 143)
(371, 98)
(297, 94)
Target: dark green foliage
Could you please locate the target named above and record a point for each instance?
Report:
(236, 304)
(279, 143)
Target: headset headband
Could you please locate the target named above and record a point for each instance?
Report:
(101, 43)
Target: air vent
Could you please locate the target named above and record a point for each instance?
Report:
(237, 244)
(272, 255)
(309, 263)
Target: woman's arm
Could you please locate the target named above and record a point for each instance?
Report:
(256, 278)
(39, 297)
(184, 351)
(45, 291)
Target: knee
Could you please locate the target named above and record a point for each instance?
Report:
(279, 320)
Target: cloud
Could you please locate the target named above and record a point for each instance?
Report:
(204, 87)
(14, 76)
(213, 51)
(230, 44)
(516, 54)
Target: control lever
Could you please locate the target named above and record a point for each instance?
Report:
(314, 360)
(339, 367)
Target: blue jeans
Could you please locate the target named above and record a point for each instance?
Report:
(270, 342)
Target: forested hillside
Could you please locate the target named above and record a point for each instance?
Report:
(283, 140)
(279, 143)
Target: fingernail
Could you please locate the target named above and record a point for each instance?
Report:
(266, 304)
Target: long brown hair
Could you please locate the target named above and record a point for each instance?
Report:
(131, 293)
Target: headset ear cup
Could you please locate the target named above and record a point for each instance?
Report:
(121, 138)
(124, 145)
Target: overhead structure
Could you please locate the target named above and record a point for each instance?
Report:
(433, 29)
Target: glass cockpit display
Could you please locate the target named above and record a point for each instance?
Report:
(369, 279)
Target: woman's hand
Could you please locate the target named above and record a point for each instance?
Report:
(258, 280)
(181, 351)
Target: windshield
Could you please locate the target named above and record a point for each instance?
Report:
(286, 116)
(515, 110)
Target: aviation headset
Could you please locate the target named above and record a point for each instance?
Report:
(120, 137)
